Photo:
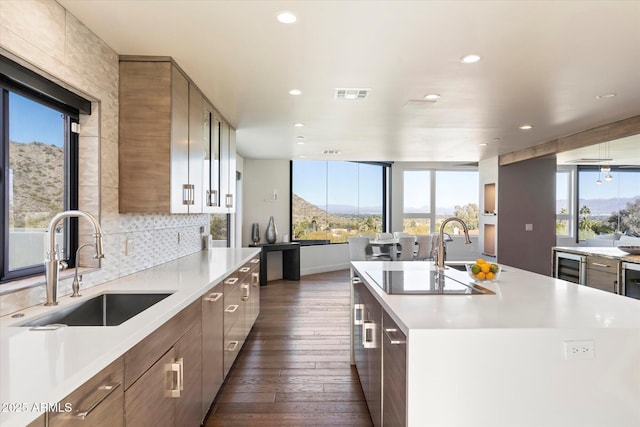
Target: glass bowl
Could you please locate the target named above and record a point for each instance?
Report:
(481, 274)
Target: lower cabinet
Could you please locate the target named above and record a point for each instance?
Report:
(162, 373)
(602, 273)
(394, 374)
(98, 402)
(212, 341)
(380, 355)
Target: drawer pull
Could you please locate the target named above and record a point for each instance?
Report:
(231, 281)
(229, 200)
(369, 334)
(232, 308)
(255, 277)
(357, 314)
(245, 287)
(394, 341)
(232, 346)
(255, 261)
(213, 297)
(597, 264)
(174, 373)
(245, 269)
(108, 389)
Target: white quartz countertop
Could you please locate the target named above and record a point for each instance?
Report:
(44, 366)
(522, 300)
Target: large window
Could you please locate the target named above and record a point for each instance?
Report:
(332, 200)
(39, 165)
(608, 205)
(431, 196)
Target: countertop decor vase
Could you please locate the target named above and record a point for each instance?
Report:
(255, 233)
(272, 231)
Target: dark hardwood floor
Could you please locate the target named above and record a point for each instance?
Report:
(294, 368)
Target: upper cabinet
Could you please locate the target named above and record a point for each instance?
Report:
(173, 154)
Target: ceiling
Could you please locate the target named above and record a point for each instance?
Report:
(542, 63)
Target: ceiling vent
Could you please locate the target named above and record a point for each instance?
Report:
(352, 94)
(588, 160)
(331, 152)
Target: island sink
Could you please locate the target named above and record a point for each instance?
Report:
(110, 309)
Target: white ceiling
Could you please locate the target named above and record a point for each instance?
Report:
(543, 63)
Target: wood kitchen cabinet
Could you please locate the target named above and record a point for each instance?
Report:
(162, 374)
(41, 421)
(173, 155)
(603, 273)
(394, 373)
(367, 333)
(212, 346)
(98, 402)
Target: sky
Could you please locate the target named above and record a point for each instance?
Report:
(625, 184)
(30, 121)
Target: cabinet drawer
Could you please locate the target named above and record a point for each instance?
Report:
(233, 341)
(98, 402)
(231, 307)
(602, 264)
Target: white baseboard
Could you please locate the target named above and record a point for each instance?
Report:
(325, 269)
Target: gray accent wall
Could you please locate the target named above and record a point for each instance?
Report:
(527, 196)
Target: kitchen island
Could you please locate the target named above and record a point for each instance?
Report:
(40, 367)
(538, 352)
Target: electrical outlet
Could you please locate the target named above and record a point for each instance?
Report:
(578, 350)
(179, 237)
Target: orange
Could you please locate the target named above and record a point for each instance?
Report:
(485, 268)
(480, 261)
(490, 276)
(480, 276)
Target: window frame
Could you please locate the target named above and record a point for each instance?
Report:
(385, 170)
(71, 158)
(572, 199)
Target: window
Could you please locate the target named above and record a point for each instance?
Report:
(332, 200)
(430, 196)
(564, 203)
(607, 206)
(39, 165)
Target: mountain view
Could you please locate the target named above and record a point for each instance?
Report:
(37, 173)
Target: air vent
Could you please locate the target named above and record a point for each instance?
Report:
(352, 94)
(331, 152)
(588, 160)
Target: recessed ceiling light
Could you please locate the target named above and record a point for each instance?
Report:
(483, 144)
(470, 59)
(433, 97)
(526, 127)
(300, 142)
(286, 17)
(298, 125)
(295, 92)
(606, 95)
(302, 157)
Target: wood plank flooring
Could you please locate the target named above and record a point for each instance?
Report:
(294, 368)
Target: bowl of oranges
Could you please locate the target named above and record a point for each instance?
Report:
(483, 271)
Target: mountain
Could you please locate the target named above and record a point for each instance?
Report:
(36, 193)
(605, 206)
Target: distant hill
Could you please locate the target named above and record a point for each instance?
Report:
(306, 212)
(38, 175)
(605, 206)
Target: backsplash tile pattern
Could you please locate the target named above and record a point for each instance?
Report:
(43, 36)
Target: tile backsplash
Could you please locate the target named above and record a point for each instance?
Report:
(46, 38)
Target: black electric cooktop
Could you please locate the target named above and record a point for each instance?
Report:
(422, 282)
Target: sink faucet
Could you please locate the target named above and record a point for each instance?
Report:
(440, 255)
(52, 261)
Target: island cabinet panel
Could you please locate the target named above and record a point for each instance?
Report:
(162, 374)
(394, 379)
(98, 402)
(41, 421)
(602, 273)
(368, 348)
(212, 342)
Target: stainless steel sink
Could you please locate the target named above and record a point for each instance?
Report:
(457, 265)
(102, 310)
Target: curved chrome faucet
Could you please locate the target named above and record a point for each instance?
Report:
(441, 253)
(52, 262)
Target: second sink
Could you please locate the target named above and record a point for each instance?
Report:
(102, 310)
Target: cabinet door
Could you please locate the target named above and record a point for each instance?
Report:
(98, 402)
(372, 341)
(188, 407)
(602, 280)
(149, 402)
(211, 165)
(196, 148)
(228, 168)
(212, 340)
(180, 190)
(231, 164)
(254, 305)
(394, 396)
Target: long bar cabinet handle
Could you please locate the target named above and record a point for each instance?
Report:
(598, 264)
(173, 370)
(393, 341)
(229, 201)
(357, 314)
(245, 286)
(369, 334)
(108, 390)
